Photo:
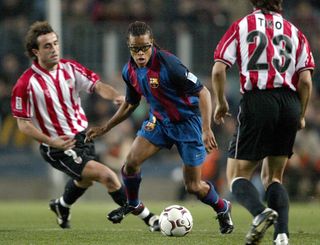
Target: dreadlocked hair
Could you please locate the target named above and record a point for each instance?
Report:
(139, 28)
(268, 5)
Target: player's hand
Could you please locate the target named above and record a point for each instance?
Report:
(63, 142)
(119, 100)
(94, 132)
(221, 111)
(302, 123)
(209, 140)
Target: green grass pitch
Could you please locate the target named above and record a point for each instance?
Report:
(31, 223)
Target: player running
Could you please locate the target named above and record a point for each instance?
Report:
(275, 66)
(177, 101)
(46, 103)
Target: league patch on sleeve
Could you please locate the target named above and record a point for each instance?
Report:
(191, 77)
(18, 103)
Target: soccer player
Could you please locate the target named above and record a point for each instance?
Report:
(275, 66)
(46, 103)
(177, 101)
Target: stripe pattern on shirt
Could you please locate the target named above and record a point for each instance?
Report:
(269, 50)
(53, 99)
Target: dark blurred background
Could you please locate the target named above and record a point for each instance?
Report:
(93, 32)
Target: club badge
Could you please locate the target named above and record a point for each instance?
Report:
(151, 124)
(154, 82)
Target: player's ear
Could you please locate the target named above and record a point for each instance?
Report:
(35, 52)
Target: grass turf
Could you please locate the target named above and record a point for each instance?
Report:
(31, 223)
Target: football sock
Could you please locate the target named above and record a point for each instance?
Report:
(132, 185)
(71, 194)
(212, 199)
(119, 196)
(277, 199)
(247, 195)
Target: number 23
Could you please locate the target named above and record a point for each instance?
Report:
(284, 50)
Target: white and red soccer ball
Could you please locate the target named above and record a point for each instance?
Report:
(175, 221)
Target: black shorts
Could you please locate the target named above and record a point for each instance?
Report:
(267, 124)
(72, 161)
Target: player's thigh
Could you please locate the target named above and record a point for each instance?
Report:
(141, 150)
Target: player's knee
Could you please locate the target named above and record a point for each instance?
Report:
(268, 180)
(108, 176)
(132, 165)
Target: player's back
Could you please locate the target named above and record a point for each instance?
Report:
(269, 51)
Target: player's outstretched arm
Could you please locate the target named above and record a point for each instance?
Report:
(109, 93)
(122, 113)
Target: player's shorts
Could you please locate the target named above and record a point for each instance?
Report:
(186, 135)
(71, 161)
(267, 124)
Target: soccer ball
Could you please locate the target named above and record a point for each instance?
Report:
(175, 221)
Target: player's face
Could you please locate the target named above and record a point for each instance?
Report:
(48, 52)
(140, 49)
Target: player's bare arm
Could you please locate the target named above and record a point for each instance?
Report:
(304, 90)
(109, 93)
(218, 83)
(206, 114)
(62, 142)
(123, 113)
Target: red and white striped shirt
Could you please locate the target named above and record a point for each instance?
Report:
(51, 99)
(269, 50)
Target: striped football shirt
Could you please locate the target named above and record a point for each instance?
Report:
(51, 98)
(269, 50)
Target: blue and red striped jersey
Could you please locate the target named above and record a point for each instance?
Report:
(169, 87)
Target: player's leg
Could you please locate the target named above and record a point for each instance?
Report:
(61, 206)
(274, 165)
(238, 174)
(96, 171)
(141, 150)
(276, 194)
(207, 194)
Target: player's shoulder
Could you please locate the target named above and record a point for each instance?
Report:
(70, 62)
(167, 58)
(26, 76)
(165, 54)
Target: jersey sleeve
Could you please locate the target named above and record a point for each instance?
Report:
(305, 59)
(21, 100)
(185, 80)
(226, 50)
(132, 96)
(85, 78)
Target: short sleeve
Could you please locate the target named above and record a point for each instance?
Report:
(21, 100)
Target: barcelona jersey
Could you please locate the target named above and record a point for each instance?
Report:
(168, 86)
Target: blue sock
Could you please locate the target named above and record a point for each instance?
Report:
(212, 199)
(132, 186)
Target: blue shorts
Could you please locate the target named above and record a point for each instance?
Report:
(186, 135)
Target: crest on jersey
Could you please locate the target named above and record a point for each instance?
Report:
(154, 82)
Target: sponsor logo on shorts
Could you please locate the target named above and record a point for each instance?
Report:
(71, 153)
